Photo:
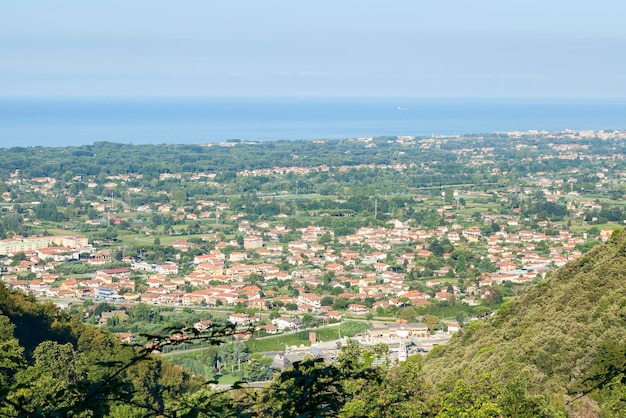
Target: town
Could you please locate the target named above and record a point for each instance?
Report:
(406, 238)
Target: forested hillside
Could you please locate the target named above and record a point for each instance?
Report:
(567, 334)
(52, 365)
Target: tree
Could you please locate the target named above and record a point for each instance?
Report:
(313, 389)
(327, 301)
(543, 248)
(402, 392)
(496, 294)
(274, 313)
(103, 374)
(486, 265)
(462, 319)
(240, 354)
(308, 389)
(47, 211)
(606, 378)
(257, 368)
(408, 313)
(432, 322)
(56, 367)
(11, 353)
(341, 303)
(507, 393)
(325, 239)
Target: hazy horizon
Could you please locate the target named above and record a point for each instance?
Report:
(280, 48)
(83, 120)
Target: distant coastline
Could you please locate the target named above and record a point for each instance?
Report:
(72, 122)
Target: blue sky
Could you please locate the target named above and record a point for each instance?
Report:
(449, 48)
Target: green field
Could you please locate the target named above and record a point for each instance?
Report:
(278, 342)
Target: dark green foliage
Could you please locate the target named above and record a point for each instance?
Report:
(27, 316)
(551, 210)
(92, 374)
(11, 353)
(312, 388)
(47, 211)
(605, 381)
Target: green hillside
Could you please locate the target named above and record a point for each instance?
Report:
(558, 332)
(52, 365)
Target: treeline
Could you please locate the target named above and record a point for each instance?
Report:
(426, 163)
(152, 160)
(106, 158)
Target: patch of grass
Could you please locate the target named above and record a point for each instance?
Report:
(346, 329)
(228, 379)
(278, 342)
(445, 311)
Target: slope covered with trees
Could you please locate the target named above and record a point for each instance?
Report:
(53, 365)
(567, 334)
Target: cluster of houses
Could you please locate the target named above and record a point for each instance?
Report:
(363, 267)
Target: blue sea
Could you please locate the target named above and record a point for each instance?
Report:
(62, 122)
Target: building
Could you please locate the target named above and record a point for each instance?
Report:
(284, 322)
(240, 319)
(389, 331)
(21, 244)
(104, 293)
(358, 309)
(252, 242)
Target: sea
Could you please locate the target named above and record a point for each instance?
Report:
(31, 122)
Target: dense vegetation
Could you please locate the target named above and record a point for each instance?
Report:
(53, 365)
(567, 332)
(557, 350)
(441, 161)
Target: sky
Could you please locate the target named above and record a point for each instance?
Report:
(321, 48)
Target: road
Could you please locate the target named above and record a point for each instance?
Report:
(125, 205)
